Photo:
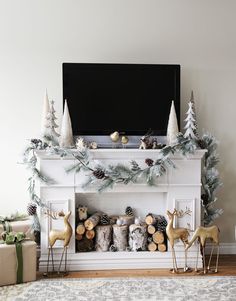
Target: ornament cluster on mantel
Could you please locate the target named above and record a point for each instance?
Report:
(66, 140)
(105, 177)
(49, 125)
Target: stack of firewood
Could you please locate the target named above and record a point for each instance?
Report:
(103, 233)
(93, 232)
(85, 232)
(157, 240)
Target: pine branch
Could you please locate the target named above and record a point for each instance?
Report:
(107, 183)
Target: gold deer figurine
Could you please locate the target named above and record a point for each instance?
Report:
(177, 233)
(202, 233)
(64, 235)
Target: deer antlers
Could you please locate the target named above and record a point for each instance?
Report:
(182, 213)
(54, 215)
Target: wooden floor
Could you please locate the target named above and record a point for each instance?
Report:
(227, 267)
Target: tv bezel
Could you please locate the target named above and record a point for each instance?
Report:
(162, 132)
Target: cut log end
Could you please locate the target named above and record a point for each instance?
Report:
(90, 234)
(162, 247)
(80, 229)
(149, 220)
(93, 220)
(151, 229)
(152, 247)
(78, 237)
(158, 237)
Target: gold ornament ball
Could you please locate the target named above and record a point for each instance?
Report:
(115, 136)
(124, 140)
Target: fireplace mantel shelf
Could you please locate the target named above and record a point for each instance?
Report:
(113, 153)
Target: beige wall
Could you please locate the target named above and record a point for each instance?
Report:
(37, 36)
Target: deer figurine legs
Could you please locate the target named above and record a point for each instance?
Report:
(217, 258)
(198, 250)
(50, 252)
(204, 260)
(209, 262)
(185, 261)
(62, 255)
(175, 268)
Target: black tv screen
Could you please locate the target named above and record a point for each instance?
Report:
(129, 98)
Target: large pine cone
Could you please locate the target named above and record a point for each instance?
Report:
(201, 143)
(113, 248)
(105, 220)
(204, 198)
(99, 173)
(149, 162)
(162, 223)
(31, 209)
(129, 211)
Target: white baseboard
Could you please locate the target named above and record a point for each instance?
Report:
(225, 248)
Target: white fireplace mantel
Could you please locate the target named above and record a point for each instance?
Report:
(178, 188)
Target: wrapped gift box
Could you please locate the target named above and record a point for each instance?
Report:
(9, 263)
(20, 226)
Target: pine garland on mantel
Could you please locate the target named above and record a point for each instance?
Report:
(103, 177)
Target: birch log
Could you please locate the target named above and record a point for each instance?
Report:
(127, 220)
(93, 220)
(113, 219)
(103, 238)
(138, 237)
(120, 237)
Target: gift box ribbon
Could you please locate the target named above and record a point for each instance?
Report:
(11, 238)
(6, 225)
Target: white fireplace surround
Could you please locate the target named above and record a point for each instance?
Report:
(178, 188)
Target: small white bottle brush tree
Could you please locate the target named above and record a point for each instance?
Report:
(50, 124)
(190, 126)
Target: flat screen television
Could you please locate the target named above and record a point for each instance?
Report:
(129, 98)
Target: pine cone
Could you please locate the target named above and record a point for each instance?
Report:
(99, 173)
(36, 142)
(201, 143)
(204, 198)
(112, 248)
(129, 211)
(31, 209)
(162, 223)
(149, 162)
(105, 220)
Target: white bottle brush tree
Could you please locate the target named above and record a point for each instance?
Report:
(172, 128)
(190, 126)
(50, 124)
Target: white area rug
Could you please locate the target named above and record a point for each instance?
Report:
(124, 289)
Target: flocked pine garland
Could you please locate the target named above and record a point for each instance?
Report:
(103, 177)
